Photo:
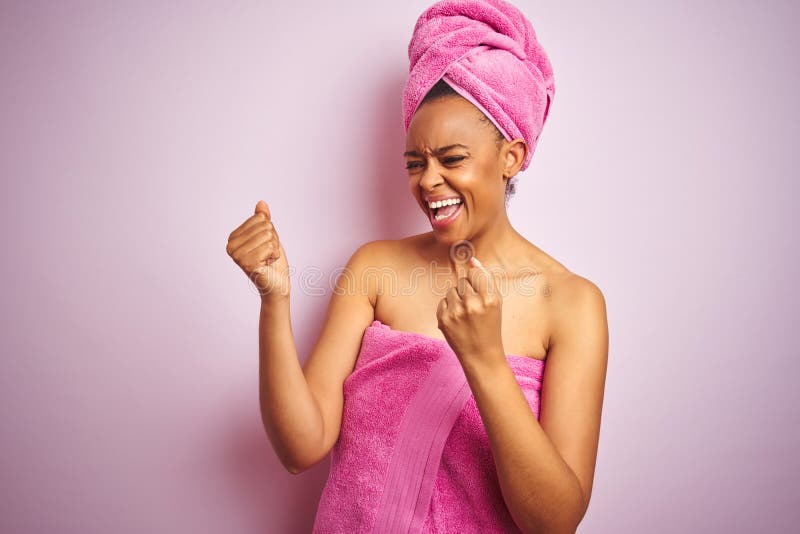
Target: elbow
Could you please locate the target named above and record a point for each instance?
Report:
(295, 461)
(297, 467)
(563, 521)
(567, 530)
(561, 527)
(573, 511)
(538, 527)
(294, 470)
(292, 464)
(294, 467)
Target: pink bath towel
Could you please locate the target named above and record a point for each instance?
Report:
(487, 51)
(413, 454)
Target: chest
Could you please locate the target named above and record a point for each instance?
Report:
(409, 303)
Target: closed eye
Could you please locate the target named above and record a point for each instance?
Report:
(450, 160)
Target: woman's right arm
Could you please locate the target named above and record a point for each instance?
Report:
(301, 409)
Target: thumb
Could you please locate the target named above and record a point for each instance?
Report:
(461, 270)
(262, 206)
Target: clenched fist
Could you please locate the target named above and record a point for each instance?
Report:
(255, 247)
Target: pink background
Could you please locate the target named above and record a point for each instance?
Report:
(137, 135)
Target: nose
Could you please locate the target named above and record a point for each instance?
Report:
(430, 177)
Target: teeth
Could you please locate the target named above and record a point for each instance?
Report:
(440, 203)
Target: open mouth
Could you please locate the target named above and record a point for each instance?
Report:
(443, 215)
(445, 211)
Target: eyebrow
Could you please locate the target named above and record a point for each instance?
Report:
(440, 150)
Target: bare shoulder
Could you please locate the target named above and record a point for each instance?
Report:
(570, 288)
(388, 252)
(375, 253)
(381, 250)
(371, 250)
(578, 304)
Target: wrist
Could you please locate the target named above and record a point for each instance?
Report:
(489, 362)
(274, 299)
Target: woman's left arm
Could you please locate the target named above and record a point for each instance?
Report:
(546, 467)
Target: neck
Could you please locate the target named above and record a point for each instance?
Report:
(493, 245)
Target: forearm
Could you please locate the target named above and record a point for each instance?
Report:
(289, 411)
(541, 492)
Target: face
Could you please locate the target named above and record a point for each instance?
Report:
(473, 171)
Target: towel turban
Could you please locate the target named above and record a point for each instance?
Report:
(487, 51)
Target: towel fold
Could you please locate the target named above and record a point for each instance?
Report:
(413, 454)
(488, 52)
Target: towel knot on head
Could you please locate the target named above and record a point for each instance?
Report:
(487, 51)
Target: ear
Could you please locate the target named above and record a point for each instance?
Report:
(516, 151)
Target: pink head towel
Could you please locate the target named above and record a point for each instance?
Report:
(487, 51)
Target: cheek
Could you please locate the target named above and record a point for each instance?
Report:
(413, 189)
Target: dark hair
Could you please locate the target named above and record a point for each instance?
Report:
(443, 90)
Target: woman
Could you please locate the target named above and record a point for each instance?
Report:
(427, 383)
